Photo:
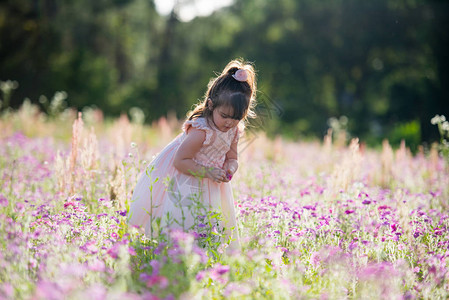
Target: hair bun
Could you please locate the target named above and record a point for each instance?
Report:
(240, 75)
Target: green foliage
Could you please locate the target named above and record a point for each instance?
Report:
(409, 132)
(378, 62)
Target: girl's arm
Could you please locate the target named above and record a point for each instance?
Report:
(186, 152)
(231, 163)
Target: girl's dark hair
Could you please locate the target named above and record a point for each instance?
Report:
(226, 90)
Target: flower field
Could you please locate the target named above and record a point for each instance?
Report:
(317, 219)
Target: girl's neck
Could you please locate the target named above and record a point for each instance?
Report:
(211, 123)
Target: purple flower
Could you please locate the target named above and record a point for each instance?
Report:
(349, 211)
(155, 265)
(366, 202)
(296, 216)
(309, 207)
(352, 246)
(122, 212)
(220, 269)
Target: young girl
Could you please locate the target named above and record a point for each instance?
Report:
(191, 176)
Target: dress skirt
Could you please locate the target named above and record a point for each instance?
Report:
(179, 200)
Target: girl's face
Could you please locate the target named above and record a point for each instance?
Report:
(222, 118)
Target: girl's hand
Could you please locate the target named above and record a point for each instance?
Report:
(216, 174)
(230, 167)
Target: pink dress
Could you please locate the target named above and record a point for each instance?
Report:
(180, 200)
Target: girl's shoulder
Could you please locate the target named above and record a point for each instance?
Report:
(198, 123)
(201, 124)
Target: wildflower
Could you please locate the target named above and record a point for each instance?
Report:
(122, 212)
(236, 289)
(155, 266)
(144, 277)
(200, 275)
(445, 126)
(315, 259)
(309, 207)
(218, 272)
(133, 145)
(296, 216)
(3, 201)
(113, 251)
(349, 211)
(222, 248)
(97, 265)
(131, 251)
(437, 119)
(20, 207)
(162, 281)
(89, 247)
(352, 246)
(394, 227)
(366, 202)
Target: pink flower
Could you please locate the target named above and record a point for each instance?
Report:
(315, 259)
(97, 265)
(131, 251)
(200, 275)
(240, 75)
(20, 207)
(3, 201)
(113, 251)
(159, 280)
(236, 289)
(394, 227)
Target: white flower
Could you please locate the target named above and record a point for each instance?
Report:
(133, 145)
(445, 126)
(435, 120)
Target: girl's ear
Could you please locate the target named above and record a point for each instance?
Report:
(210, 105)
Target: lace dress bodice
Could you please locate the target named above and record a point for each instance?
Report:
(216, 144)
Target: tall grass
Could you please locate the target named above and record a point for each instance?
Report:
(317, 220)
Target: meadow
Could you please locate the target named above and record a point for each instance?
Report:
(327, 219)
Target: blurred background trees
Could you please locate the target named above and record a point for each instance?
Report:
(381, 63)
